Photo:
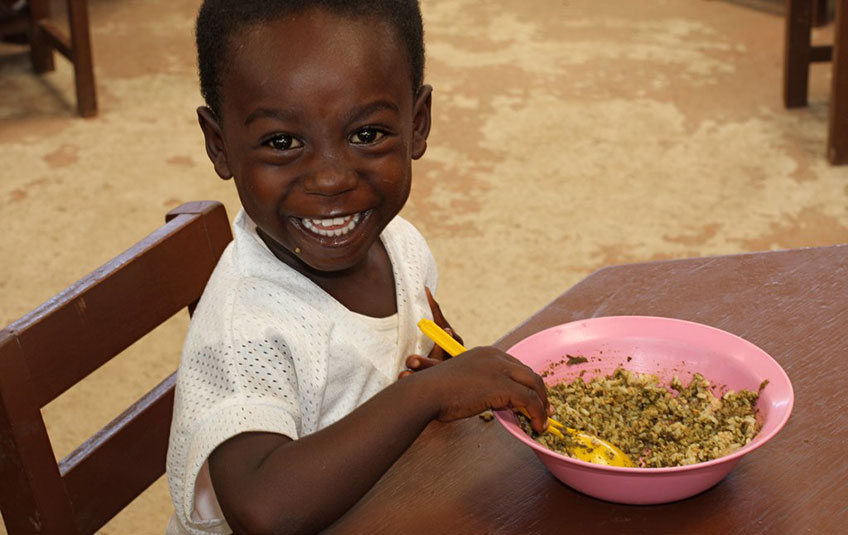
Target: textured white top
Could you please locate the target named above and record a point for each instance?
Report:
(268, 350)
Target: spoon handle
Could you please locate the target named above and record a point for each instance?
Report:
(442, 339)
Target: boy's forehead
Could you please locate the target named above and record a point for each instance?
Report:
(316, 47)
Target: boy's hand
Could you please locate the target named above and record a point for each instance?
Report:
(486, 378)
(437, 354)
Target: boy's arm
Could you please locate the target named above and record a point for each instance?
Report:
(267, 483)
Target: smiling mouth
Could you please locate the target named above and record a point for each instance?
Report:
(332, 226)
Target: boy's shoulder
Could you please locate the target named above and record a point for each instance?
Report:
(240, 312)
(250, 289)
(405, 233)
(410, 253)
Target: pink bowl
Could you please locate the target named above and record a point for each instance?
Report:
(665, 347)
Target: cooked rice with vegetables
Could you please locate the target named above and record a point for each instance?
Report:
(655, 427)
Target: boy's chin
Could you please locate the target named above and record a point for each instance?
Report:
(317, 260)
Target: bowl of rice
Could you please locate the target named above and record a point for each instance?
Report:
(685, 401)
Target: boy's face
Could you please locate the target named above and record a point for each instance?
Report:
(318, 126)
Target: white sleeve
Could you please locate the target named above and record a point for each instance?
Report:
(236, 376)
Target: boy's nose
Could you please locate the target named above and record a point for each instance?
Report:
(331, 176)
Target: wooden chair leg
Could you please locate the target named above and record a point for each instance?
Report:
(796, 67)
(41, 53)
(81, 58)
(820, 13)
(837, 139)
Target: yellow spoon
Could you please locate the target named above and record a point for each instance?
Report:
(589, 448)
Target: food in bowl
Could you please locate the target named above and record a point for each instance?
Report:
(664, 347)
(656, 425)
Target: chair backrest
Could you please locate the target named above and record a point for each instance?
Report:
(56, 345)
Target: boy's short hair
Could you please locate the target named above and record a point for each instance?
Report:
(218, 20)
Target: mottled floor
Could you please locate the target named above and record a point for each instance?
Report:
(568, 135)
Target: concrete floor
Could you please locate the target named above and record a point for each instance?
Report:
(567, 136)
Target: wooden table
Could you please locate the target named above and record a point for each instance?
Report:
(472, 477)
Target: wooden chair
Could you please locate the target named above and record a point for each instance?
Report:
(45, 36)
(799, 53)
(59, 343)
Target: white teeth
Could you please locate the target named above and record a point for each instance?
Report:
(332, 226)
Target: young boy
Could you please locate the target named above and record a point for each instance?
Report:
(288, 408)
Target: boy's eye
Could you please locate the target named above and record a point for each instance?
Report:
(366, 136)
(283, 142)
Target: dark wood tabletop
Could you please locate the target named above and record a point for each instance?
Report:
(472, 477)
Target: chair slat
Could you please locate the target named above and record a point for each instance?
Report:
(113, 307)
(32, 496)
(821, 53)
(121, 460)
(56, 38)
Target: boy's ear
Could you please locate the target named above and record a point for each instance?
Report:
(215, 147)
(421, 121)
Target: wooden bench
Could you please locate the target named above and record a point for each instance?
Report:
(59, 343)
